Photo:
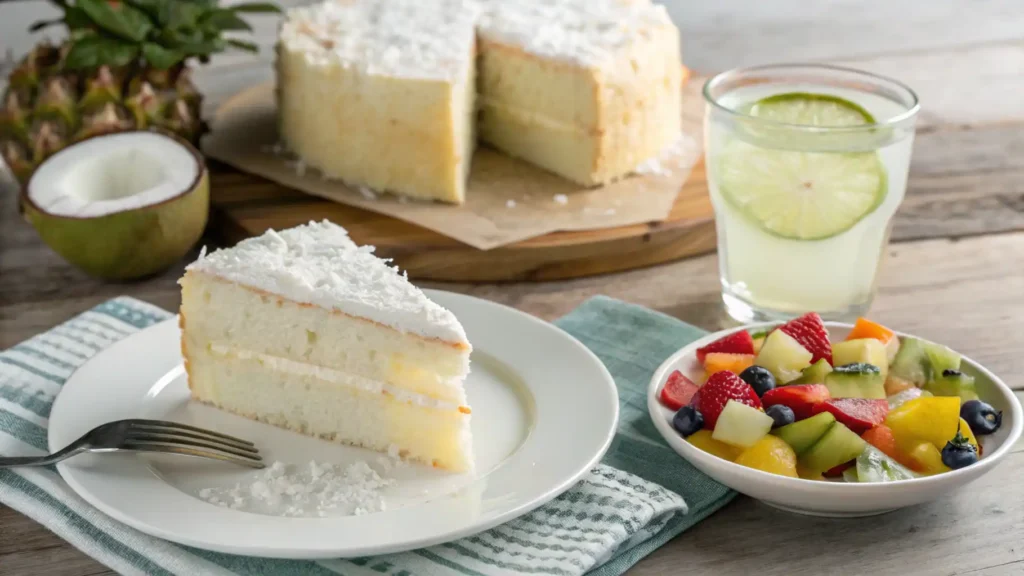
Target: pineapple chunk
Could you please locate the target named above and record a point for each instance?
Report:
(702, 439)
(866, 350)
(928, 459)
(783, 356)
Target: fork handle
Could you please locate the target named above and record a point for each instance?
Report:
(13, 461)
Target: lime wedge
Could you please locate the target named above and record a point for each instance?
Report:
(809, 109)
(796, 194)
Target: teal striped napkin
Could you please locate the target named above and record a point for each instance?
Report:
(638, 498)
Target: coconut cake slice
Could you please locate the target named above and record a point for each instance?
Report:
(305, 330)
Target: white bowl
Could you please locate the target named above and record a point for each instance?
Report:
(835, 499)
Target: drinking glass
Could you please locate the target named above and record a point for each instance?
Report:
(806, 167)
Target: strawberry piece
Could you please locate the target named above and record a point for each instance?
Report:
(678, 391)
(735, 343)
(837, 471)
(721, 387)
(811, 333)
(802, 399)
(858, 414)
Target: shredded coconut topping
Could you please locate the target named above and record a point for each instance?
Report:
(317, 489)
(656, 165)
(319, 264)
(407, 38)
(587, 32)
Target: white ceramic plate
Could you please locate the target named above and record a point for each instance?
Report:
(834, 498)
(526, 376)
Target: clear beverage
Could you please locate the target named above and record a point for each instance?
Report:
(806, 167)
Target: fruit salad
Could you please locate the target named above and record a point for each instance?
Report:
(873, 408)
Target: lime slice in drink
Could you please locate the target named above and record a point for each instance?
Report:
(796, 194)
(809, 109)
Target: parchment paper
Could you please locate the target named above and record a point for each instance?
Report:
(507, 200)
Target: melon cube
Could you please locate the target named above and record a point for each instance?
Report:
(741, 425)
(783, 356)
(719, 361)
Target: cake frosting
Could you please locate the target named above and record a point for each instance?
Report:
(319, 264)
(582, 32)
(402, 38)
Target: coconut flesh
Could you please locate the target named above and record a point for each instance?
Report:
(121, 205)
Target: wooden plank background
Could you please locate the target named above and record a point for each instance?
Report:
(955, 272)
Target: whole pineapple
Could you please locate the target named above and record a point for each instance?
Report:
(124, 66)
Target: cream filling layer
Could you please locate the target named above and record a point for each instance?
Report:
(531, 118)
(342, 379)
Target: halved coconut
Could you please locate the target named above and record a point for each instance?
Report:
(121, 205)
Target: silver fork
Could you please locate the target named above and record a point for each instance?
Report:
(151, 436)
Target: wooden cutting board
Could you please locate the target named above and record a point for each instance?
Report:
(244, 205)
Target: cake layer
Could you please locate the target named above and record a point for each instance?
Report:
(286, 368)
(585, 157)
(511, 77)
(380, 93)
(218, 312)
(410, 136)
(309, 404)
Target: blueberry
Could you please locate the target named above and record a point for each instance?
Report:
(687, 420)
(760, 379)
(782, 415)
(959, 453)
(981, 417)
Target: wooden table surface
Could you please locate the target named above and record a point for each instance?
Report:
(954, 274)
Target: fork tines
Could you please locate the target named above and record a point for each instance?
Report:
(176, 438)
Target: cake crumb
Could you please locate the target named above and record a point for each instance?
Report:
(317, 489)
(510, 203)
(656, 166)
(299, 166)
(391, 460)
(277, 149)
(367, 193)
(561, 199)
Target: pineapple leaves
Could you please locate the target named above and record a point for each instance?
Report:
(184, 15)
(256, 7)
(159, 57)
(163, 32)
(157, 10)
(74, 18)
(123, 20)
(243, 45)
(40, 24)
(221, 19)
(93, 51)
